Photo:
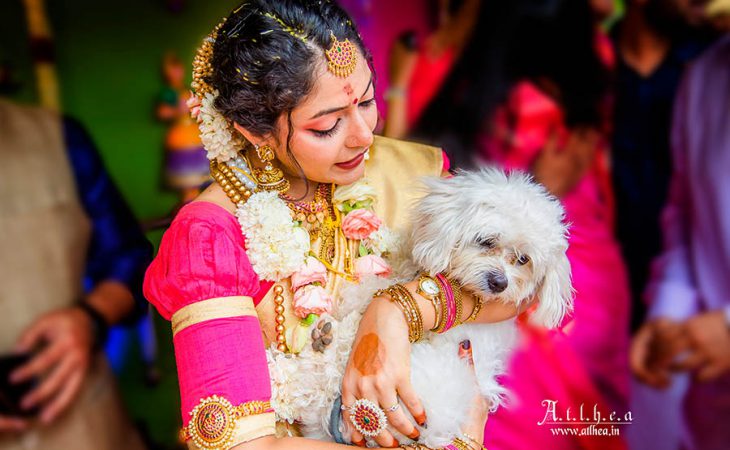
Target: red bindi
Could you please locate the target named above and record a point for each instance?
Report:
(354, 101)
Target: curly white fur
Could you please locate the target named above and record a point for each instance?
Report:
(452, 223)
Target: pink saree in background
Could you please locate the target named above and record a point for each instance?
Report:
(587, 361)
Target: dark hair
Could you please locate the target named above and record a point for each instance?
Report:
(514, 40)
(266, 54)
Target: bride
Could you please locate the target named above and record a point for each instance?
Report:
(306, 201)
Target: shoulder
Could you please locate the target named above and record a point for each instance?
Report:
(202, 255)
(395, 170)
(393, 154)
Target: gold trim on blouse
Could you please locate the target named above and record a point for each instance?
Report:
(213, 308)
(218, 425)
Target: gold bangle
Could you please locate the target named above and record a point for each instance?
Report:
(456, 289)
(409, 302)
(464, 445)
(478, 303)
(478, 445)
(430, 289)
(403, 298)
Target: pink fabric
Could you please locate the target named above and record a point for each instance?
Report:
(589, 363)
(428, 76)
(202, 256)
(446, 162)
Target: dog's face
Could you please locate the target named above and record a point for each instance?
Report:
(502, 236)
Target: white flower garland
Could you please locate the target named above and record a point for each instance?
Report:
(215, 131)
(275, 244)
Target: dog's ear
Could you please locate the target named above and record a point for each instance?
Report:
(555, 295)
(435, 220)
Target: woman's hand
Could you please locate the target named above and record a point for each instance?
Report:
(379, 370)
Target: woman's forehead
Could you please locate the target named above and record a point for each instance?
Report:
(330, 91)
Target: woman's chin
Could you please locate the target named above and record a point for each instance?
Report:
(343, 177)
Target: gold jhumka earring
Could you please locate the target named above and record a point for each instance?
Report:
(269, 178)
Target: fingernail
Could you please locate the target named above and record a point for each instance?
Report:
(394, 444)
(360, 443)
(421, 419)
(466, 344)
(414, 435)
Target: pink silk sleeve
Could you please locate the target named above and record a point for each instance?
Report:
(202, 256)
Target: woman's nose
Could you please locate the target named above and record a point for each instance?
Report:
(360, 134)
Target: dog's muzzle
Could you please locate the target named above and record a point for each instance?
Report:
(497, 282)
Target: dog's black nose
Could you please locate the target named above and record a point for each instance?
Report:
(497, 282)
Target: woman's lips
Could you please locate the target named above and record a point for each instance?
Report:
(354, 162)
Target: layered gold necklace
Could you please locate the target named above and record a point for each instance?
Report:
(319, 217)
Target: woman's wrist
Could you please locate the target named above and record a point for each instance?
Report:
(420, 312)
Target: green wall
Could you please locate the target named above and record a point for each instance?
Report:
(108, 57)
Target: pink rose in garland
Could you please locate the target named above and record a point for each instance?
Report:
(311, 299)
(312, 271)
(371, 265)
(358, 224)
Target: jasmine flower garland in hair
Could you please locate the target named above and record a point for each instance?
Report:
(215, 131)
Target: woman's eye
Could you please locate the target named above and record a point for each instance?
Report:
(367, 103)
(522, 260)
(327, 133)
(488, 243)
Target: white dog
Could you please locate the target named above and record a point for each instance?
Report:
(503, 238)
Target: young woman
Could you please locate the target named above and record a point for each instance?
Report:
(306, 201)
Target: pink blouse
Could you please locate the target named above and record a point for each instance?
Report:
(203, 256)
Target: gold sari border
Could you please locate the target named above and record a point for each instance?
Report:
(213, 308)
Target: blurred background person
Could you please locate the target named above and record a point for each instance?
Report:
(531, 92)
(407, 95)
(654, 43)
(688, 326)
(718, 14)
(72, 257)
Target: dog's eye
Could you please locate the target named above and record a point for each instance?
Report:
(522, 260)
(487, 242)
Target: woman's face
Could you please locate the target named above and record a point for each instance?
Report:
(332, 128)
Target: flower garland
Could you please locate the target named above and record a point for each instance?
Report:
(215, 131)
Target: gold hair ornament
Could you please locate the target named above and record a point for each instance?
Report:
(296, 32)
(202, 68)
(341, 57)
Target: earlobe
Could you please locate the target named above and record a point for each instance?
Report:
(250, 137)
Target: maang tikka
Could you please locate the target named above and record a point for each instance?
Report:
(269, 178)
(341, 57)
